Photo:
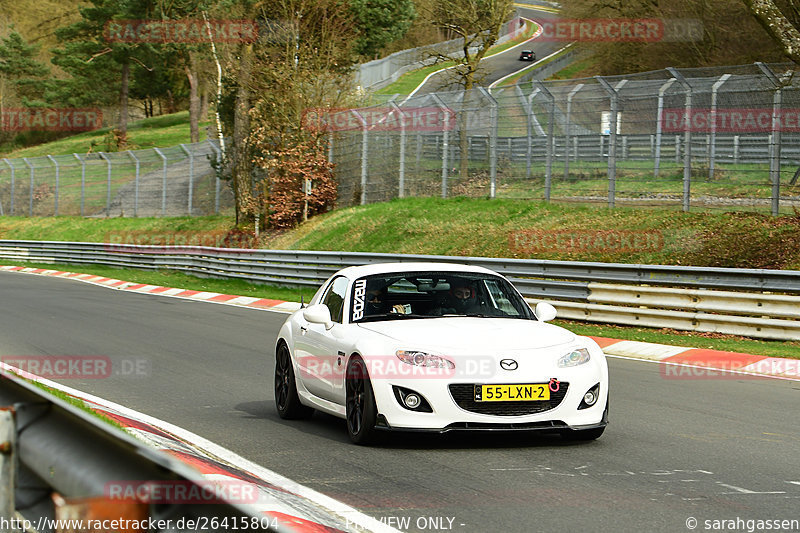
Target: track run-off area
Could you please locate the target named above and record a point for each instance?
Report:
(679, 450)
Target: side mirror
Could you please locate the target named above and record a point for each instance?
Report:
(545, 312)
(318, 314)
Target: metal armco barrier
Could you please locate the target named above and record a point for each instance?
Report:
(681, 297)
(57, 460)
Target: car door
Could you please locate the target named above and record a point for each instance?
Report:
(319, 348)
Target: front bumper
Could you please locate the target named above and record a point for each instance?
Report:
(448, 415)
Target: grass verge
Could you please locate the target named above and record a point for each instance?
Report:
(154, 132)
(75, 402)
(410, 80)
(170, 278)
(691, 339)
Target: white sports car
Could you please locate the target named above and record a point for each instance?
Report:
(437, 347)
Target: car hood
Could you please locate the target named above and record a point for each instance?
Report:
(472, 334)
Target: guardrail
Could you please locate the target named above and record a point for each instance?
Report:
(681, 297)
(58, 462)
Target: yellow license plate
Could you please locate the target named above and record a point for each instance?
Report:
(532, 392)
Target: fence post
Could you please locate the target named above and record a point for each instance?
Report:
(401, 185)
(163, 182)
(13, 171)
(136, 185)
(218, 157)
(660, 124)
(445, 140)
(712, 149)
(568, 127)
(191, 176)
(550, 147)
(364, 155)
(83, 181)
(108, 182)
(613, 93)
(8, 463)
(527, 105)
(687, 149)
(493, 111)
(55, 198)
(775, 145)
(32, 173)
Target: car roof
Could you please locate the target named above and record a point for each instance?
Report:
(388, 268)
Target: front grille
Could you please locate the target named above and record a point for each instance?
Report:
(464, 396)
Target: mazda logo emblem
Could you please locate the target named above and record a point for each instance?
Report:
(508, 364)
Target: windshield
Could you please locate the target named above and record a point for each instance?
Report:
(405, 295)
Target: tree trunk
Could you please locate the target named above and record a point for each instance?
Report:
(123, 101)
(241, 173)
(194, 100)
(204, 103)
(777, 25)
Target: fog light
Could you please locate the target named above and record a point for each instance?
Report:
(590, 397)
(412, 401)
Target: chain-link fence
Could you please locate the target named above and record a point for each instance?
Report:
(726, 137)
(179, 180)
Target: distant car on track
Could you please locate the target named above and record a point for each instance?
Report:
(527, 55)
(436, 347)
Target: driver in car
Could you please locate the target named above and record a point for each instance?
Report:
(462, 300)
(377, 303)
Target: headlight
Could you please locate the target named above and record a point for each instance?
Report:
(574, 358)
(423, 359)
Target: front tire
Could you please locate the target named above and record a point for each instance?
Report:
(361, 412)
(286, 399)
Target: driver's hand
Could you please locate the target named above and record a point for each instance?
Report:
(398, 308)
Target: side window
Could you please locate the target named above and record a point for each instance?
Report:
(334, 298)
(499, 298)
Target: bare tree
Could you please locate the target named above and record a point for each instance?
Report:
(478, 23)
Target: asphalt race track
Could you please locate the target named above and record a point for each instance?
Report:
(497, 66)
(676, 449)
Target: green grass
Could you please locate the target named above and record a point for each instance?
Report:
(155, 132)
(75, 403)
(574, 69)
(410, 80)
(691, 339)
(143, 230)
(484, 227)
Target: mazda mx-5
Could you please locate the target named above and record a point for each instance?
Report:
(437, 347)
